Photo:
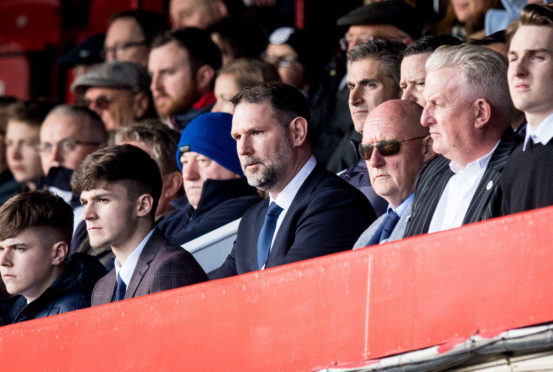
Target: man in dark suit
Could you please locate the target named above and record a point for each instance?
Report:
(468, 112)
(310, 212)
(119, 187)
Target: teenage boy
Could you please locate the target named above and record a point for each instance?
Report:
(35, 231)
(119, 187)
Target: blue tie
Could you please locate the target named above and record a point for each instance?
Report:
(121, 289)
(266, 234)
(386, 228)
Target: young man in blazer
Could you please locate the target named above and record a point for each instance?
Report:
(119, 187)
(468, 113)
(310, 212)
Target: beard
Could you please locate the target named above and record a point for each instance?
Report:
(173, 105)
(270, 170)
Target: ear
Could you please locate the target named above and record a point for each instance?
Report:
(172, 184)
(144, 205)
(140, 105)
(59, 252)
(482, 113)
(427, 151)
(298, 131)
(204, 78)
(407, 40)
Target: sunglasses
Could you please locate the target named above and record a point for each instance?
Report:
(102, 102)
(384, 148)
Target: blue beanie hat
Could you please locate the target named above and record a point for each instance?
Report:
(209, 135)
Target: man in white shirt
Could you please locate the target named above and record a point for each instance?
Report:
(526, 181)
(119, 187)
(468, 112)
(310, 212)
(395, 147)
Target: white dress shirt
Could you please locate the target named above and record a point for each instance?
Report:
(461, 187)
(542, 135)
(126, 269)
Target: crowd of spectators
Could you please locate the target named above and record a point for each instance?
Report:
(410, 127)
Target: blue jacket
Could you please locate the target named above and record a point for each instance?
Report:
(71, 291)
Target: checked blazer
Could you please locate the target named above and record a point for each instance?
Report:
(161, 266)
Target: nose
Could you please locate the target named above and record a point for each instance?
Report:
(408, 94)
(355, 96)
(155, 84)
(243, 146)
(190, 171)
(518, 67)
(376, 160)
(426, 118)
(5, 258)
(89, 212)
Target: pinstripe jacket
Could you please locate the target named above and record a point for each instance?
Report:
(161, 266)
(433, 180)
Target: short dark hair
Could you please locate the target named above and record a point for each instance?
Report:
(201, 49)
(30, 112)
(237, 29)
(428, 44)
(37, 209)
(384, 51)
(161, 138)
(124, 163)
(151, 23)
(286, 101)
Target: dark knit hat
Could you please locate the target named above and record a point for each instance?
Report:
(393, 12)
(209, 135)
(116, 74)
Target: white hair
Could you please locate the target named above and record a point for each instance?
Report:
(483, 73)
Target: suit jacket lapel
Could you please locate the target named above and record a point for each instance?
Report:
(287, 227)
(143, 264)
(491, 176)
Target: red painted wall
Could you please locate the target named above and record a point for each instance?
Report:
(347, 307)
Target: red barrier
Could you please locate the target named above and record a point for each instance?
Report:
(347, 307)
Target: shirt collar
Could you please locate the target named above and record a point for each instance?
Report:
(478, 164)
(285, 197)
(126, 270)
(542, 134)
(403, 206)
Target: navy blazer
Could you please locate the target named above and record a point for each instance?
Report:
(435, 176)
(161, 266)
(326, 216)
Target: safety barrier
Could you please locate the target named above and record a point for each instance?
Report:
(353, 306)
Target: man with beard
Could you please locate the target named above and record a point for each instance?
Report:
(182, 66)
(310, 212)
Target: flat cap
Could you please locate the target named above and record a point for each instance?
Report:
(125, 75)
(393, 12)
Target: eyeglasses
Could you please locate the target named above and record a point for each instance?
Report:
(119, 47)
(280, 61)
(64, 146)
(384, 148)
(101, 102)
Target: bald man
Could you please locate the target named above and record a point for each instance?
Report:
(395, 147)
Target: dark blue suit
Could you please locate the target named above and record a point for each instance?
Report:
(326, 216)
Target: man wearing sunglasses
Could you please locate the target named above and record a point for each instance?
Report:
(395, 147)
(468, 112)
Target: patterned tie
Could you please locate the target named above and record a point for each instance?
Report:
(385, 229)
(266, 234)
(121, 289)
